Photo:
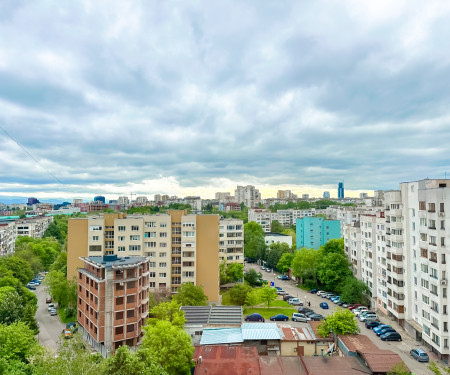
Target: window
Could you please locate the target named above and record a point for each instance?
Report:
(118, 330)
(119, 315)
(130, 299)
(119, 301)
(130, 327)
(150, 234)
(152, 274)
(163, 244)
(94, 238)
(163, 264)
(130, 313)
(152, 264)
(95, 227)
(163, 225)
(162, 255)
(162, 274)
(121, 228)
(150, 244)
(152, 284)
(163, 234)
(119, 286)
(425, 299)
(121, 248)
(135, 228)
(130, 284)
(135, 237)
(188, 273)
(134, 248)
(441, 207)
(150, 224)
(121, 238)
(188, 234)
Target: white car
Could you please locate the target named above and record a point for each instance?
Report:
(359, 310)
(363, 318)
(321, 293)
(295, 301)
(297, 317)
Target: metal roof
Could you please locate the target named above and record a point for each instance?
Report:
(214, 336)
(261, 331)
(212, 314)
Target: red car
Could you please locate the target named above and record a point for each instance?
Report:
(354, 306)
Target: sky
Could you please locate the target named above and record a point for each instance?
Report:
(193, 97)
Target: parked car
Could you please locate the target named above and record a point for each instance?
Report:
(263, 268)
(344, 305)
(281, 292)
(279, 318)
(317, 317)
(67, 333)
(309, 313)
(330, 295)
(419, 354)
(358, 310)
(314, 291)
(31, 287)
(304, 310)
(297, 317)
(354, 306)
(363, 318)
(284, 277)
(279, 276)
(295, 302)
(385, 330)
(391, 336)
(380, 327)
(72, 326)
(268, 270)
(320, 293)
(278, 288)
(50, 306)
(48, 300)
(335, 299)
(287, 297)
(370, 324)
(254, 318)
(324, 305)
(53, 312)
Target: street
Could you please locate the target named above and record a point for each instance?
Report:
(50, 327)
(401, 348)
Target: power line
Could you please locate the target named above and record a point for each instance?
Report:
(31, 156)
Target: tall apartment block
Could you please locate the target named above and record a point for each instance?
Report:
(341, 190)
(407, 247)
(182, 247)
(113, 296)
(313, 232)
(248, 195)
(231, 240)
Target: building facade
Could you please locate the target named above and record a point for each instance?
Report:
(270, 238)
(313, 232)
(231, 240)
(113, 300)
(182, 247)
(248, 195)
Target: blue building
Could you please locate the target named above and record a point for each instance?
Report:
(341, 190)
(313, 232)
(326, 194)
(99, 198)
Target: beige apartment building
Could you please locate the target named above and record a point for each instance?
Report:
(182, 247)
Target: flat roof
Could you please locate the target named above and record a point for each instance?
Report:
(276, 234)
(227, 315)
(114, 262)
(261, 331)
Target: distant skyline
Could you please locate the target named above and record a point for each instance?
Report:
(190, 98)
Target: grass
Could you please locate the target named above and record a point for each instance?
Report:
(280, 303)
(226, 299)
(268, 312)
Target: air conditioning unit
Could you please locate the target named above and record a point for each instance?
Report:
(444, 282)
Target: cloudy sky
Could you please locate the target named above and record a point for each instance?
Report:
(193, 97)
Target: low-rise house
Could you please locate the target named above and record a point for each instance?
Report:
(302, 341)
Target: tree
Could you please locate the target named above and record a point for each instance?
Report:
(268, 295)
(16, 267)
(11, 305)
(123, 362)
(335, 246)
(170, 346)
(63, 291)
(274, 253)
(399, 369)
(169, 311)
(284, 264)
(160, 295)
(355, 291)
(305, 263)
(253, 298)
(291, 232)
(29, 319)
(341, 322)
(253, 278)
(276, 227)
(332, 269)
(254, 245)
(191, 295)
(17, 342)
(231, 272)
(60, 263)
(238, 294)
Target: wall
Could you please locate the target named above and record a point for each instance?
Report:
(77, 245)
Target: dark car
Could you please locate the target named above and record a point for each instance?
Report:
(380, 327)
(308, 313)
(304, 310)
(324, 305)
(279, 317)
(284, 277)
(316, 317)
(48, 300)
(391, 336)
(370, 324)
(254, 318)
(287, 297)
(314, 291)
(385, 330)
(419, 354)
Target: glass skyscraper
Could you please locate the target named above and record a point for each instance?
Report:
(341, 190)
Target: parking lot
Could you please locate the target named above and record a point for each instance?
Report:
(402, 348)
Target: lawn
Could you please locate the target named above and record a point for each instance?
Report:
(226, 299)
(279, 303)
(268, 312)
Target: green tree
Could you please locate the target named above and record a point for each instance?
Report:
(275, 252)
(335, 246)
(123, 362)
(60, 263)
(254, 245)
(29, 319)
(238, 294)
(276, 227)
(285, 262)
(355, 291)
(167, 311)
(16, 267)
(63, 291)
(11, 305)
(268, 295)
(170, 346)
(305, 264)
(291, 232)
(332, 269)
(191, 295)
(231, 272)
(253, 278)
(341, 322)
(399, 369)
(253, 298)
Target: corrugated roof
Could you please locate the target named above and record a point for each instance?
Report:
(297, 334)
(381, 360)
(358, 342)
(261, 331)
(215, 336)
(275, 365)
(334, 366)
(212, 314)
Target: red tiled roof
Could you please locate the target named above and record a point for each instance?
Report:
(226, 360)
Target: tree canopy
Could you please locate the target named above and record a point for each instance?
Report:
(230, 272)
(355, 291)
(238, 294)
(16, 267)
(275, 252)
(254, 245)
(276, 227)
(191, 295)
(285, 262)
(332, 269)
(268, 294)
(169, 311)
(341, 322)
(253, 278)
(305, 264)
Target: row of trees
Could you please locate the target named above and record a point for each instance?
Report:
(304, 205)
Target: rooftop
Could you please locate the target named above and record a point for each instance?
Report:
(276, 234)
(199, 315)
(261, 331)
(113, 261)
(381, 360)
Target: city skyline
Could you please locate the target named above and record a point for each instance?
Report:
(173, 98)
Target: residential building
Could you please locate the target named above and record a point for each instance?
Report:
(32, 201)
(286, 194)
(123, 200)
(248, 195)
(352, 246)
(313, 232)
(113, 300)
(100, 198)
(341, 190)
(141, 199)
(32, 227)
(182, 247)
(287, 218)
(7, 238)
(77, 201)
(363, 195)
(157, 198)
(222, 197)
(270, 238)
(231, 240)
(305, 196)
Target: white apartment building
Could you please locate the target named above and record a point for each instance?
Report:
(141, 199)
(271, 238)
(248, 195)
(368, 254)
(352, 246)
(231, 240)
(7, 238)
(223, 196)
(265, 217)
(123, 200)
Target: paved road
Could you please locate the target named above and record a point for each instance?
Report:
(401, 348)
(50, 327)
